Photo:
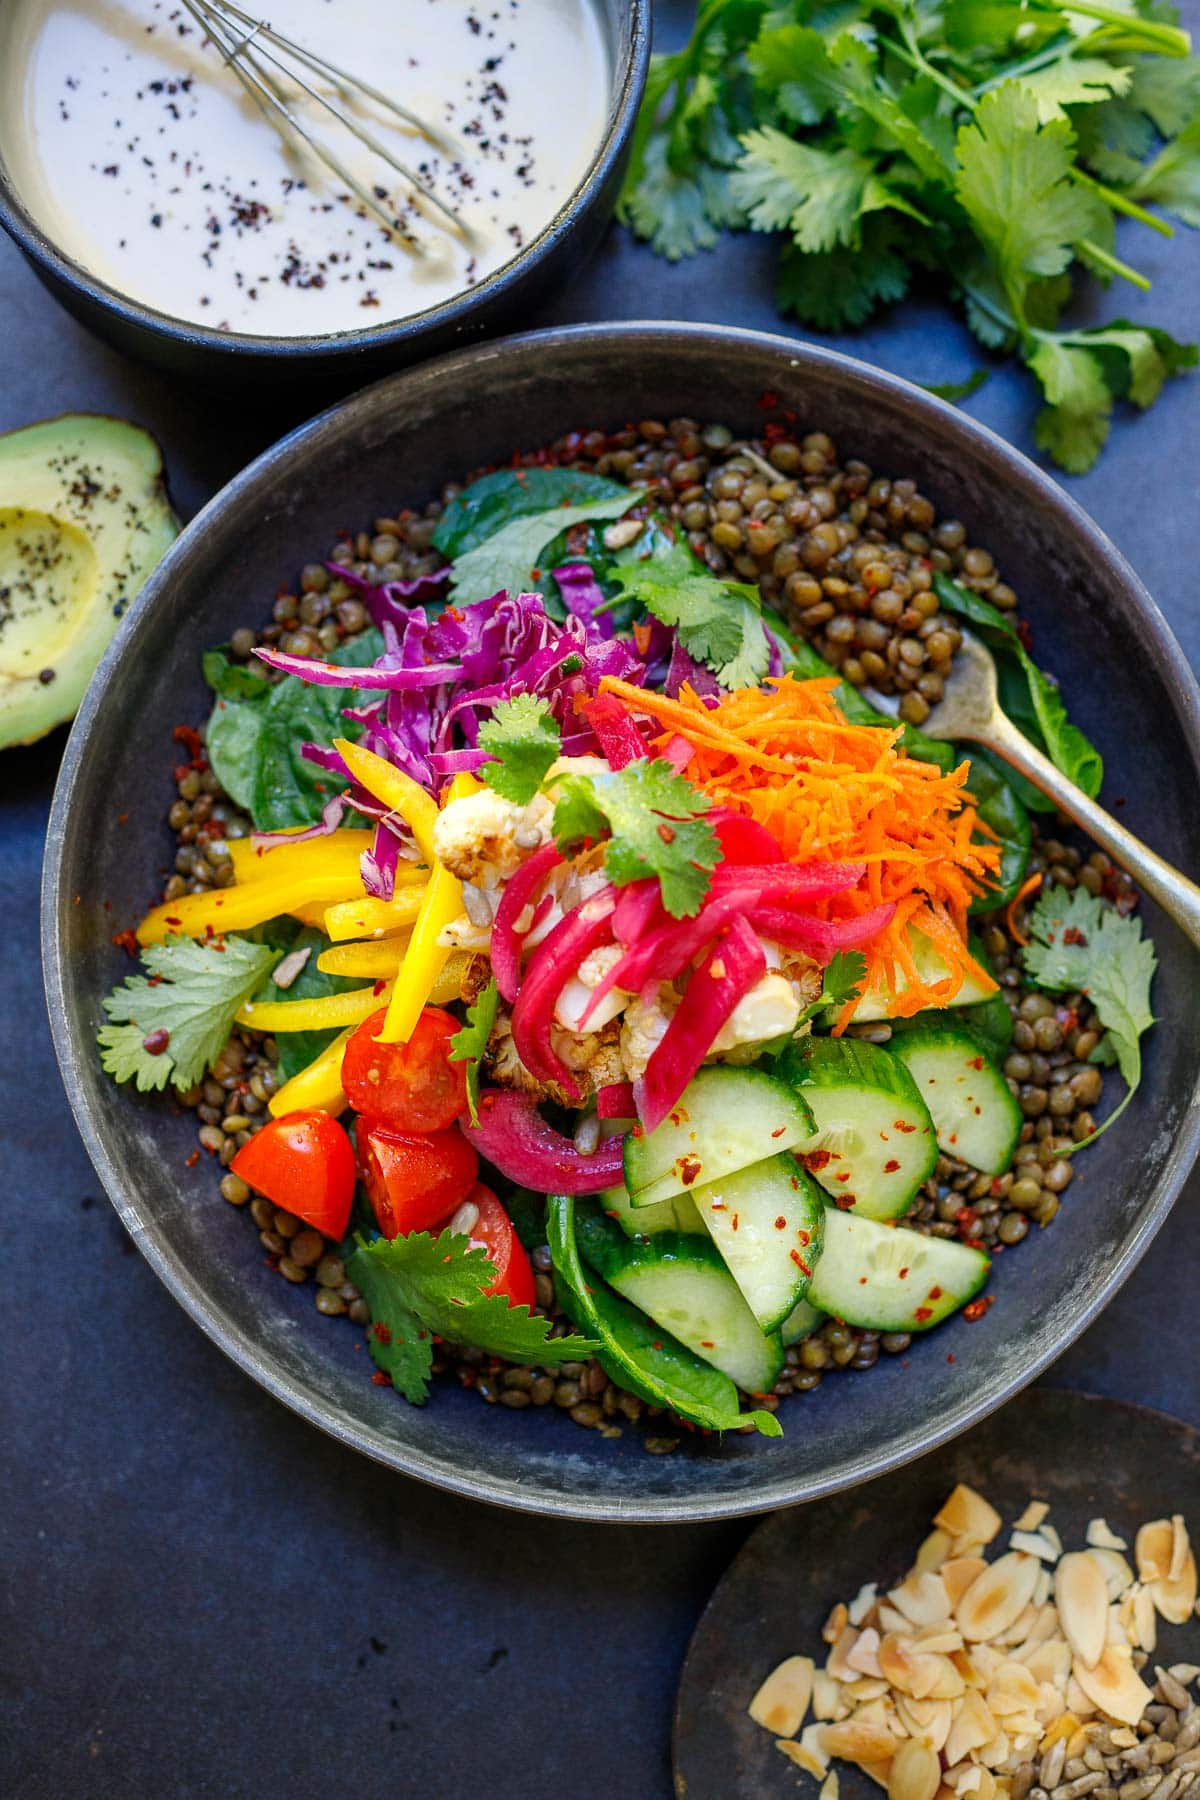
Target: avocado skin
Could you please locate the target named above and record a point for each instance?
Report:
(84, 518)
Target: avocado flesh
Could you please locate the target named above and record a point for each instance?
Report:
(84, 518)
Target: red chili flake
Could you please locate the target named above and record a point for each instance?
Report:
(657, 1344)
(122, 818)
(966, 1215)
(977, 1308)
(768, 400)
(817, 1160)
(902, 1125)
(883, 1137)
(666, 833)
(973, 1243)
(127, 940)
(191, 1161)
(1073, 935)
(795, 1181)
(716, 968)
(381, 1378)
(536, 574)
(890, 1167)
(381, 1333)
(800, 1262)
(845, 1202)
(802, 1237)
(378, 988)
(922, 1313)
(733, 1223)
(636, 1131)
(843, 1175)
(950, 1357)
(707, 1344)
(157, 981)
(779, 1131)
(155, 1042)
(978, 1111)
(781, 1223)
(689, 1169)
(975, 1062)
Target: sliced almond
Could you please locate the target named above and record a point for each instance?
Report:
(1115, 1630)
(922, 1598)
(1180, 1547)
(1012, 1689)
(933, 1552)
(958, 1574)
(836, 1623)
(810, 1739)
(1117, 1573)
(876, 1772)
(827, 1697)
(1077, 1701)
(858, 1741)
(866, 1688)
(1043, 1627)
(928, 1719)
(1100, 1537)
(803, 1757)
(862, 1602)
(830, 1787)
(1175, 1597)
(1043, 1587)
(1145, 1624)
(916, 1773)
(837, 1662)
(1051, 1662)
(1051, 1704)
(1081, 1595)
(1152, 1550)
(863, 1655)
(967, 1515)
(1032, 1517)
(782, 1701)
(938, 1640)
(1019, 1630)
(888, 1619)
(1034, 1543)
(1113, 1685)
(997, 1597)
(996, 1752)
(973, 1726)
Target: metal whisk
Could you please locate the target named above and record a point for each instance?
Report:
(264, 61)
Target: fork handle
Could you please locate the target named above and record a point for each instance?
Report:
(1178, 897)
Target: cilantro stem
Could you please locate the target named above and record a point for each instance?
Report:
(1122, 204)
(1166, 40)
(1104, 260)
(910, 52)
(1045, 58)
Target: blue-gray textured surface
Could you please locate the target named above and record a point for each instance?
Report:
(203, 1596)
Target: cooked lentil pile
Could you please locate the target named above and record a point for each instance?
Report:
(849, 557)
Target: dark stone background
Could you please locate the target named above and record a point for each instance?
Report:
(204, 1597)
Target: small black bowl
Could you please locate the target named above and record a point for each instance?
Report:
(333, 363)
(1126, 681)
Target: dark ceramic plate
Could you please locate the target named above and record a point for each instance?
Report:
(1097, 627)
(1084, 1456)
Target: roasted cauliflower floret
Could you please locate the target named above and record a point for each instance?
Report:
(768, 1011)
(595, 1058)
(577, 992)
(484, 838)
(643, 1028)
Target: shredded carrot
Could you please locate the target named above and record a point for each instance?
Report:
(1010, 912)
(831, 791)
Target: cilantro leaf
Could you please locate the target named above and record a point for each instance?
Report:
(1075, 81)
(506, 560)
(817, 194)
(471, 1040)
(680, 213)
(1173, 178)
(716, 621)
(420, 1283)
(954, 391)
(523, 736)
(191, 992)
(655, 820)
(843, 980)
(1073, 427)
(841, 287)
(1077, 942)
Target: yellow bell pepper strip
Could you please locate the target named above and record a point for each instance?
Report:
(320, 1084)
(367, 917)
(440, 904)
(448, 986)
(322, 1014)
(375, 959)
(312, 914)
(337, 853)
(239, 907)
(398, 791)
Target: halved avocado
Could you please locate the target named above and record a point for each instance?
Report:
(84, 518)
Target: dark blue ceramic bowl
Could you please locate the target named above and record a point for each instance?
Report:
(1127, 683)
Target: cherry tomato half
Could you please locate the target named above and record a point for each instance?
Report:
(744, 840)
(410, 1087)
(304, 1162)
(493, 1230)
(414, 1181)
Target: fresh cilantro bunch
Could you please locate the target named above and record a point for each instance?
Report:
(991, 144)
(654, 822)
(172, 1023)
(420, 1286)
(1080, 944)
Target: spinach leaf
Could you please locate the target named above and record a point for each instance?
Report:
(1029, 697)
(298, 1048)
(1001, 810)
(497, 499)
(255, 733)
(233, 680)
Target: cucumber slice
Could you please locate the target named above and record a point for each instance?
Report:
(768, 1222)
(974, 1112)
(876, 1003)
(884, 1278)
(681, 1282)
(874, 1142)
(799, 1322)
(638, 1354)
(725, 1120)
(676, 1214)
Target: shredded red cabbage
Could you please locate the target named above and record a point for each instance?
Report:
(582, 594)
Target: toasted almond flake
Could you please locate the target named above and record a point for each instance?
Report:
(782, 1701)
(1051, 1662)
(858, 1740)
(1042, 1628)
(835, 1624)
(1179, 1547)
(1051, 1704)
(915, 1772)
(939, 1640)
(1043, 1587)
(862, 1602)
(928, 1719)
(933, 1552)
(1114, 1685)
(973, 1726)
(866, 1689)
(1152, 1550)
(827, 1701)
(1077, 1700)
(830, 1787)
(958, 1574)
(1081, 1595)
(836, 1662)
(1115, 1631)
(1100, 1536)
(863, 1654)
(1012, 1689)
(1032, 1517)
(922, 1598)
(803, 1757)
(1019, 1630)
(1117, 1573)
(889, 1619)
(967, 1515)
(1063, 1727)
(1035, 1543)
(877, 1772)
(810, 1739)
(997, 1597)
(1175, 1597)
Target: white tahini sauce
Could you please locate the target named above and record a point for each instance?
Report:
(142, 159)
